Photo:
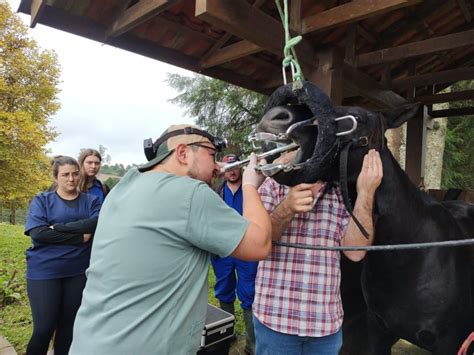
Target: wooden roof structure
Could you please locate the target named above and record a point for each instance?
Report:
(372, 53)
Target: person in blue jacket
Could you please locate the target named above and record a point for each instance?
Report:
(233, 274)
(89, 162)
(60, 224)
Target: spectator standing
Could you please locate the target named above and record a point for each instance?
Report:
(234, 275)
(60, 224)
(89, 162)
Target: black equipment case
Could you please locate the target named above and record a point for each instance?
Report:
(218, 328)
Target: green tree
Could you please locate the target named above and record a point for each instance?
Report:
(111, 182)
(224, 109)
(29, 79)
(458, 162)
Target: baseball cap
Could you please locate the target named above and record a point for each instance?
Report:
(185, 134)
(230, 158)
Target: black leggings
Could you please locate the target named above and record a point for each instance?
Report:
(54, 304)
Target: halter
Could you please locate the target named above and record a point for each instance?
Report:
(341, 145)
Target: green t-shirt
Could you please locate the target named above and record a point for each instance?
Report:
(146, 290)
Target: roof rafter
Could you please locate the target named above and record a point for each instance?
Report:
(446, 76)
(36, 9)
(242, 20)
(230, 53)
(215, 55)
(447, 97)
(353, 11)
(137, 14)
(432, 45)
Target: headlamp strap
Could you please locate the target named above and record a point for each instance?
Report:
(179, 132)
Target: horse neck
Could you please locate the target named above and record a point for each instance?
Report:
(397, 197)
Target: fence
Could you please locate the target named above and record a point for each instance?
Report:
(20, 215)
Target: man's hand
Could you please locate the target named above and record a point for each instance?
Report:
(87, 237)
(371, 174)
(300, 197)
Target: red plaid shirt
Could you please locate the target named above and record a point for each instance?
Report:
(297, 291)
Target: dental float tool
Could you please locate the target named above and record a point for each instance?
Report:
(242, 163)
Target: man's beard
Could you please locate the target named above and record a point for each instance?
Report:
(234, 180)
(192, 173)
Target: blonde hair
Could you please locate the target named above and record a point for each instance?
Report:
(84, 179)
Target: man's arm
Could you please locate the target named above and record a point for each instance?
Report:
(299, 200)
(256, 243)
(368, 181)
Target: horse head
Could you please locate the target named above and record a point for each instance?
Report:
(321, 132)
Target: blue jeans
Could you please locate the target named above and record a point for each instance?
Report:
(270, 342)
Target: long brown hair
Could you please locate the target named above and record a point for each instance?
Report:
(84, 179)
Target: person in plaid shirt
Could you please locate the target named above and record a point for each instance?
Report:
(298, 307)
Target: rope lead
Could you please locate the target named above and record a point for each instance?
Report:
(289, 54)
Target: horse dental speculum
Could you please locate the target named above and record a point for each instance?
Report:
(242, 163)
(270, 170)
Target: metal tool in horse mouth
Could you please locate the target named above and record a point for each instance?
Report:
(273, 169)
(242, 163)
(313, 121)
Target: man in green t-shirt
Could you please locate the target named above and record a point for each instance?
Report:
(146, 290)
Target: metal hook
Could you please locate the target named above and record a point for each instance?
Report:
(354, 125)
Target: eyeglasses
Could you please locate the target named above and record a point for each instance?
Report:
(206, 147)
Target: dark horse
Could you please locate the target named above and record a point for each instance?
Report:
(424, 296)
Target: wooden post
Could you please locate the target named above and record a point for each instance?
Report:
(416, 147)
(328, 76)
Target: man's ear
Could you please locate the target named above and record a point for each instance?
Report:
(182, 153)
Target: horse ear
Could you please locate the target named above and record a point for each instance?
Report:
(397, 116)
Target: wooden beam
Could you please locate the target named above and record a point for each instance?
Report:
(242, 20)
(365, 34)
(362, 84)
(354, 11)
(415, 49)
(230, 53)
(295, 16)
(208, 59)
(350, 44)
(328, 76)
(447, 97)
(414, 147)
(465, 10)
(447, 76)
(87, 28)
(464, 111)
(35, 11)
(139, 13)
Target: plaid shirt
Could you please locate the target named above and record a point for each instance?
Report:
(298, 290)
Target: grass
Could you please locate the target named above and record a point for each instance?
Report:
(15, 314)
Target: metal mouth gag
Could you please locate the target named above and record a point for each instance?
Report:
(281, 140)
(245, 162)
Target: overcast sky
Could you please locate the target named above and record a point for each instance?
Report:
(108, 96)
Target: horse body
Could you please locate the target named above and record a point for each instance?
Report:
(424, 296)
